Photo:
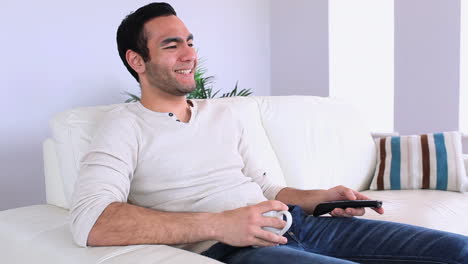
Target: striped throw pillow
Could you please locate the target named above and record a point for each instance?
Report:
(429, 161)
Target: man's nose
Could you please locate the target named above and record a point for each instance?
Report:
(188, 54)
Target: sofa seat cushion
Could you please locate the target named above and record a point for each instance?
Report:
(442, 210)
(40, 234)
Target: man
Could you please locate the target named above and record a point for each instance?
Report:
(163, 171)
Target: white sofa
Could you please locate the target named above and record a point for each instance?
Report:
(306, 142)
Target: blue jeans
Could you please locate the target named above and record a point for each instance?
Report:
(350, 240)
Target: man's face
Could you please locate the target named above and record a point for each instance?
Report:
(173, 58)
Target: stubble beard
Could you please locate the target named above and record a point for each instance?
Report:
(165, 81)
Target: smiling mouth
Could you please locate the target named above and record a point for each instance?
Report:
(186, 72)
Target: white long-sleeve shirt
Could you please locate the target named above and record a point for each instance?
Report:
(150, 159)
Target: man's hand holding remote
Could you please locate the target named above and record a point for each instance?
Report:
(341, 193)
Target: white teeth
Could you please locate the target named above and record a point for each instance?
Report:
(184, 71)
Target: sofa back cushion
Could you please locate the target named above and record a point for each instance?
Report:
(73, 130)
(302, 141)
(320, 142)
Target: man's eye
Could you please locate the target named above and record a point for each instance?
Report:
(170, 47)
(190, 44)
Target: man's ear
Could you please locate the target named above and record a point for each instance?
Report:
(135, 61)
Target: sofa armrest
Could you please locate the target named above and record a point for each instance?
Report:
(465, 146)
(384, 134)
(465, 158)
(53, 179)
(40, 234)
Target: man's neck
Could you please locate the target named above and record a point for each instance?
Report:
(166, 103)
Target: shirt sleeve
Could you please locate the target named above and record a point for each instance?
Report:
(255, 165)
(105, 174)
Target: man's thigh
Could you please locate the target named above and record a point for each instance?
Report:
(280, 254)
(368, 241)
(290, 253)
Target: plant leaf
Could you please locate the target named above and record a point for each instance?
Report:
(133, 98)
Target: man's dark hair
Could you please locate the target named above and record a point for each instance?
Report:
(131, 34)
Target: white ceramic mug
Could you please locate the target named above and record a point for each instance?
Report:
(279, 215)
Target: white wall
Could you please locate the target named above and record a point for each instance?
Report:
(427, 60)
(299, 47)
(233, 37)
(62, 54)
(464, 71)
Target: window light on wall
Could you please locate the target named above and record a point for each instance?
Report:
(361, 52)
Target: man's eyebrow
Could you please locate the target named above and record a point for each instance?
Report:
(174, 39)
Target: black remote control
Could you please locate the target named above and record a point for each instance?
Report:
(324, 208)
